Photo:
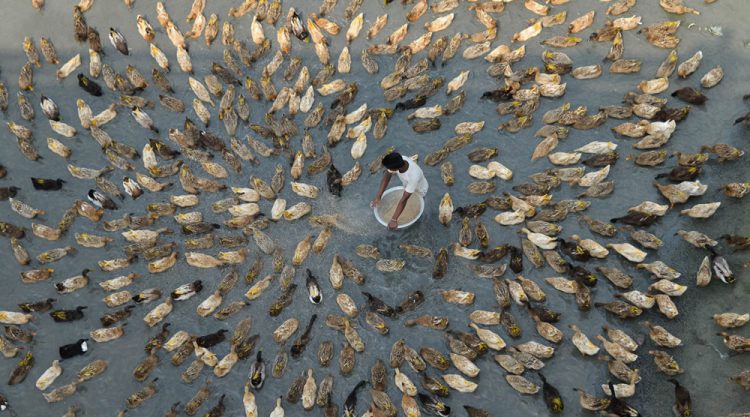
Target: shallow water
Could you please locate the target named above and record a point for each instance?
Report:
(705, 360)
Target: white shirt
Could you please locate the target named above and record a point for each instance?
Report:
(413, 179)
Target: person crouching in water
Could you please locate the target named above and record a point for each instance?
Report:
(411, 177)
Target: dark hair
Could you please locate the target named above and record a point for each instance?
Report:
(393, 161)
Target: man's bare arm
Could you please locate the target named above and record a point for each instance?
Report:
(383, 184)
(401, 205)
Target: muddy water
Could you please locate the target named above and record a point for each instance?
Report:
(705, 360)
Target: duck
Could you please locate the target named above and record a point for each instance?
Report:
(501, 94)
(681, 173)
(720, 267)
(690, 95)
(89, 86)
(635, 218)
(118, 41)
(295, 23)
(101, 201)
(211, 339)
(543, 314)
(737, 242)
(618, 407)
(8, 192)
(44, 184)
(50, 108)
(147, 295)
(683, 406)
(68, 315)
(143, 119)
(333, 179)
(38, 306)
(678, 114)
(745, 120)
(78, 348)
(313, 289)
(133, 189)
(186, 291)
(433, 405)
(574, 250)
(582, 274)
(735, 342)
(412, 103)
(551, 396)
(516, 261)
(258, 371)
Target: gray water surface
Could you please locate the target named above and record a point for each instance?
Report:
(706, 361)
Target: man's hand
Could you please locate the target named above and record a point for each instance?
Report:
(393, 224)
(374, 203)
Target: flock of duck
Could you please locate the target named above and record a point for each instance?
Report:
(263, 88)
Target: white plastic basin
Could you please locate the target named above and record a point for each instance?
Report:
(388, 203)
